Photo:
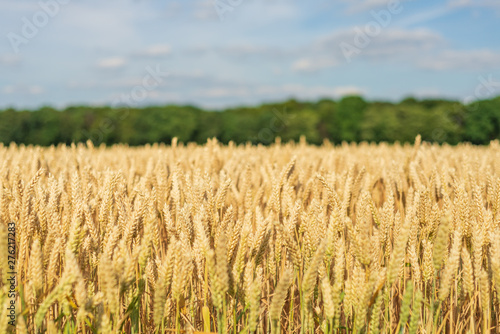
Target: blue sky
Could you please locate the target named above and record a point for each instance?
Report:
(251, 51)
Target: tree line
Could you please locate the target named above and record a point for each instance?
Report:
(351, 119)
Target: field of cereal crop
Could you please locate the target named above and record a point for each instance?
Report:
(288, 238)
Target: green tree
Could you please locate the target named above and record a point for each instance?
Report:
(482, 121)
(349, 116)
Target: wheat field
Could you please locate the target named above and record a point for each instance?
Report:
(289, 238)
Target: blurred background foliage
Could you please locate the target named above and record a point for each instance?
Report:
(350, 119)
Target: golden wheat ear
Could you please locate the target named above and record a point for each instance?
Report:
(250, 239)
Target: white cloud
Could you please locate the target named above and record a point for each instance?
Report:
(108, 25)
(239, 51)
(425, 15)
(247, 50)
(365, 5)
(8, 90)
(464, 59)
(111, 63)
(18, 6)
(356, 6)
(310, 65)
(475, 3)
(249, 12)
(459, 3)
(348, 90)
(23, 89)
(402, 42)
(9, 60)
(172, 9)
(157, 50)
(205, 10)
(35, 90)
(390, 44)
(421, 48)
(303, 64)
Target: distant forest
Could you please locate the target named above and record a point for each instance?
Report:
(350, 119)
